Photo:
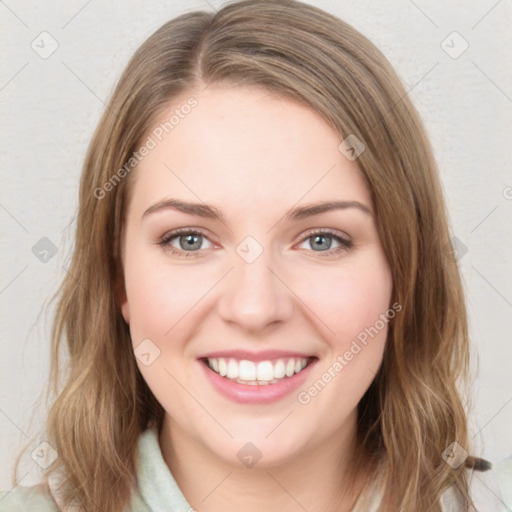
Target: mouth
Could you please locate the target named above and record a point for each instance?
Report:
(247, 379)
(257, 373)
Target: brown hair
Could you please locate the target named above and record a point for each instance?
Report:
(412, 410)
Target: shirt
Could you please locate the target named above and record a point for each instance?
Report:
(158, 491)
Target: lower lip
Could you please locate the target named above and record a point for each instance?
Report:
(257, 394)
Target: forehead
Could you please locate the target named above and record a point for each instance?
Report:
(244, 146)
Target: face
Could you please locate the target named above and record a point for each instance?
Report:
(254, 318)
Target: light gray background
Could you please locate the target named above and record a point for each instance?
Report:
(50, 107)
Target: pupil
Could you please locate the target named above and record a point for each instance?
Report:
(190, 242)
(318, 238)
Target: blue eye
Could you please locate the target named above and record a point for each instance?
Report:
(322, 240)
(190, 242)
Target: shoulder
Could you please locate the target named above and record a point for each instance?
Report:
(484, 489)
(23, 498)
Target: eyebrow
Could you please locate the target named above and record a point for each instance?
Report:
(210, 212)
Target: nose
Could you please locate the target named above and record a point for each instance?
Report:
(255, 296)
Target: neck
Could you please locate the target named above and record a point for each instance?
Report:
(324, 478)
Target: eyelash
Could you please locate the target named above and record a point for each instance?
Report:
(164, 241)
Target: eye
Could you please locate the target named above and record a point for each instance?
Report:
(189, 242)
(322, 240)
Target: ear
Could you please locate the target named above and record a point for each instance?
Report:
(125, 308)
(121, 298)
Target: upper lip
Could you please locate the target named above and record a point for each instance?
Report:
(262, 355)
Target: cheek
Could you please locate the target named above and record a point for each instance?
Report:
(355, 310)
(159, 296)
(159, 300)
(350, 299)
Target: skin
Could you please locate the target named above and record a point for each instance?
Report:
(254, 156)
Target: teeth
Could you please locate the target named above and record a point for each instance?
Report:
(261, 373)
(290, 368)
(265, 371)
(279, 368)
(223, 367)
(232, 369)
(246, 370)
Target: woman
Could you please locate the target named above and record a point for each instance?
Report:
(220, 357)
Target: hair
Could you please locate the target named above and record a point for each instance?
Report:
(413, 409)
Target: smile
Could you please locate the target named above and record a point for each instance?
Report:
(256, 378)
(256, 373)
